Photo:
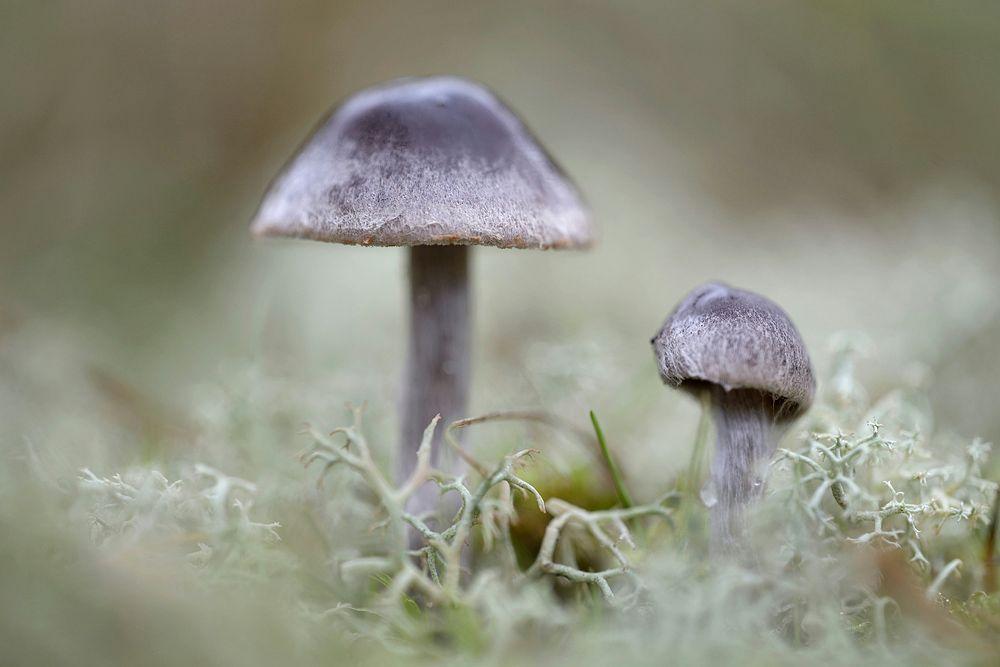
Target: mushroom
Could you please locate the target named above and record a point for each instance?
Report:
(435, 164)
(743, 350)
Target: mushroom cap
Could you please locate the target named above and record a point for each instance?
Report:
(738, 340)
(434, 161)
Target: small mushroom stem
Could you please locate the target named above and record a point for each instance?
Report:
(437, 372)
(746, 436)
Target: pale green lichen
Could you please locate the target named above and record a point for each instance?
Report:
(486, 503)
(859, 482)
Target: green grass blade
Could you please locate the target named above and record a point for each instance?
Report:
(616, 476)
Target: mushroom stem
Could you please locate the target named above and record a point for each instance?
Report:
(437, 375)
(746, 436)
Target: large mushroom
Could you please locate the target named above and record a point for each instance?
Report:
(743, 350)
(436, 165)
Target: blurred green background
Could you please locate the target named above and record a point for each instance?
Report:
(840, 157)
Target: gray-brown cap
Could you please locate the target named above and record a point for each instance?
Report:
(737, 340)
(435, 161)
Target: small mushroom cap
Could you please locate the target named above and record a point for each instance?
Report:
(435, 161)
(737, 340)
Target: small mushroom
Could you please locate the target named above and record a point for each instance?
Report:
(743, 350)
(436, 165)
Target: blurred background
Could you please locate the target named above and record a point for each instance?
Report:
(842, 158)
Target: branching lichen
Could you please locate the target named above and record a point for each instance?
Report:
(486, 504)
(872, 522)
(894, 493)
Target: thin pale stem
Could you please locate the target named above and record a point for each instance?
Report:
(437, 376)
(745, 440)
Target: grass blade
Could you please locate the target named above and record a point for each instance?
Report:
(616, 476)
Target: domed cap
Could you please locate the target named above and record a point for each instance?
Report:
(738, 340)
(437, 161)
